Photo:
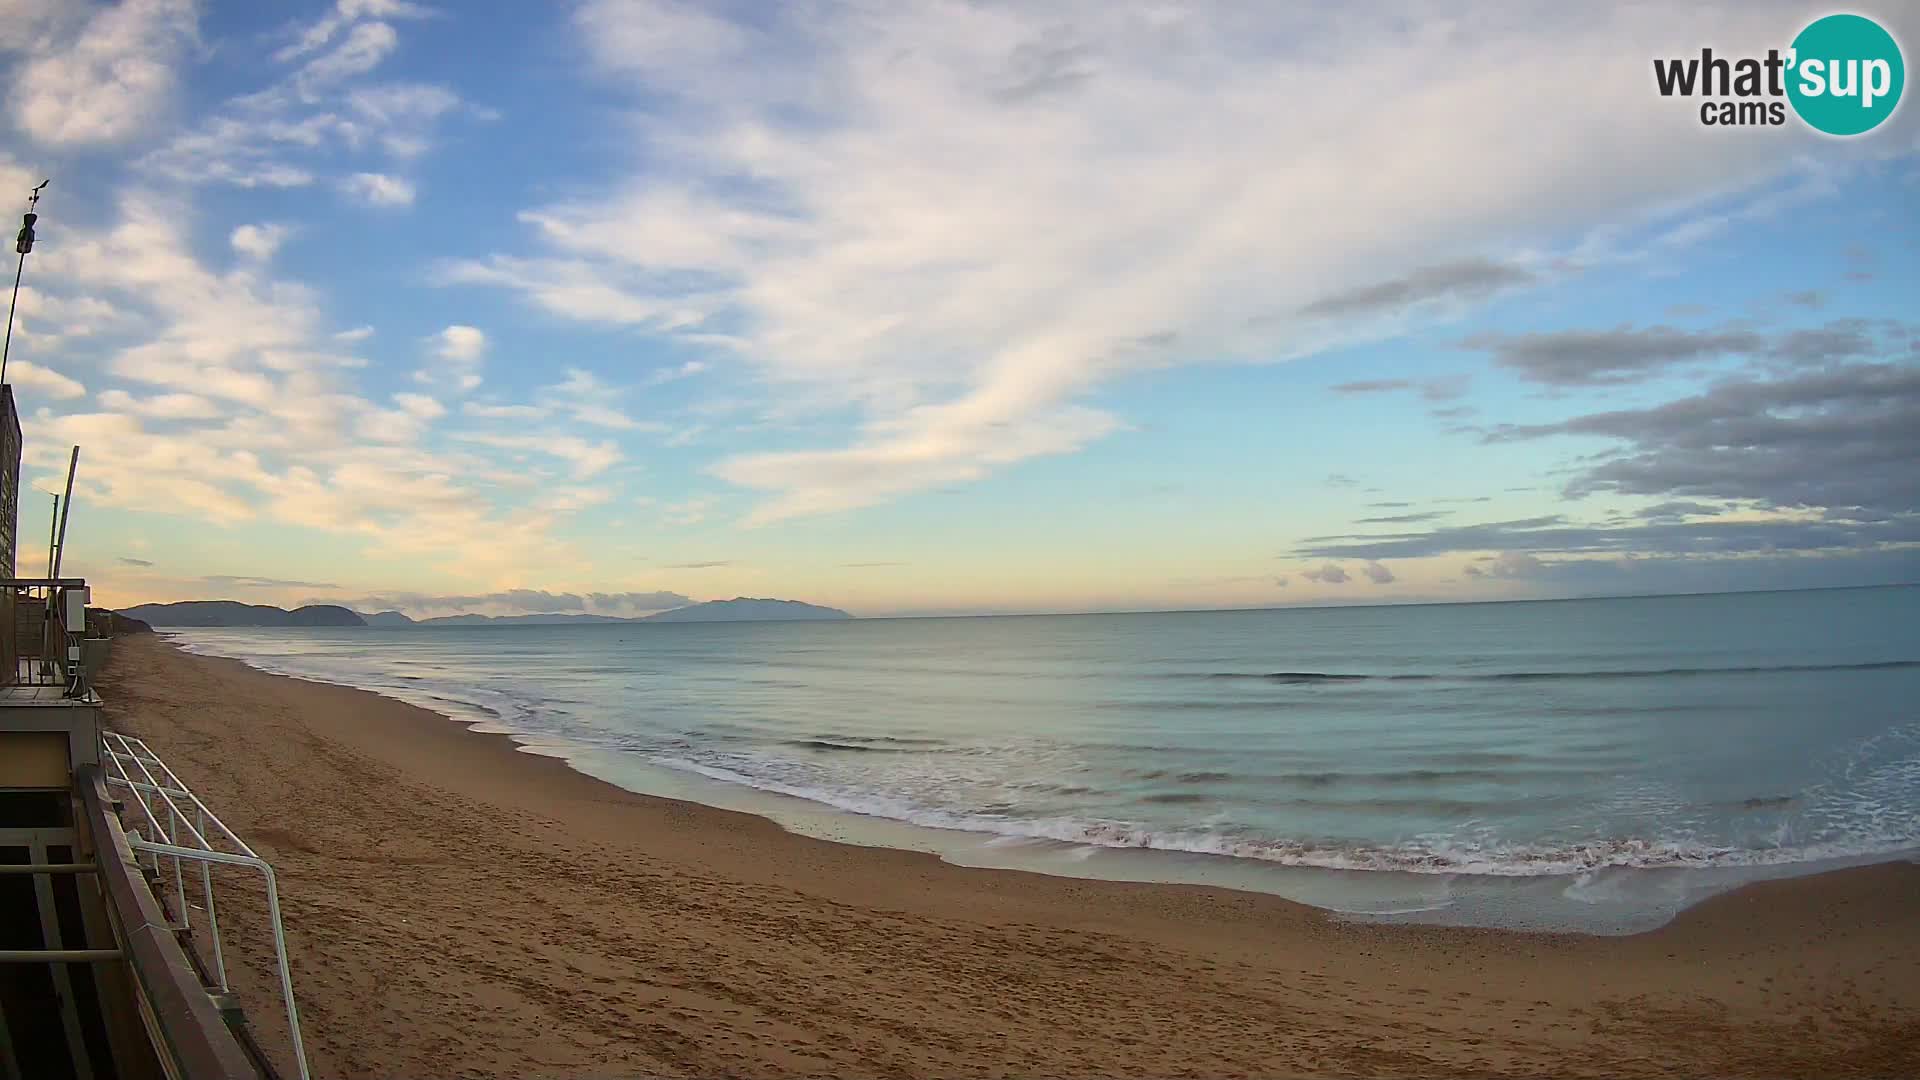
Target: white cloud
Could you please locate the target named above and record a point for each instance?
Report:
(251, 415)
(586, 458)
(49, 318)
(605, 416)
(457, 352)
(358, 333)
(604, 294)
(964, 219)
(504, 412)
(258, 241)
(673, 374)
(574, 497)
(344, 14)
(460, 344)
(379, 189)
(107, 79)
(420, 406)
(28, 374)
(298, 128)
(28, 22)
(588, 399)
(401, 113)
(581, 398)
(178, 406)
(687, 512)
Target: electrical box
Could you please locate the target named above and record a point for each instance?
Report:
(74, 608)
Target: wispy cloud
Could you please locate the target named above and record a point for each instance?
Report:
(1609, 357)
(258, 241)
(586, 458)
(1440, 389)
(103, 79)
(324, 104)
(229, 403)
(934, 236)
(523, 602)
(1839, 438)
(1465, 281)
(245, 581)
(378, 189)
(45, 380)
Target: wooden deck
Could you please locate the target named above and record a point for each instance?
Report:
(44, 696)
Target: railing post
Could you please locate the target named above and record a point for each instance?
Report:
(286, 969)
(213, 919)
(179, 872)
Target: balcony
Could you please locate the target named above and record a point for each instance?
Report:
(47, 651)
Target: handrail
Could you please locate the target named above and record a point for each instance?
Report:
(179, 1015)
(119, 752)
(60, 956)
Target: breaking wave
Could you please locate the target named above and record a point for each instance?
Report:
(1423, 855)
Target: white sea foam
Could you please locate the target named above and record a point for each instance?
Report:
(1426, 855)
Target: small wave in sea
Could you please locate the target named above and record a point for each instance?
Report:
(1313, 677)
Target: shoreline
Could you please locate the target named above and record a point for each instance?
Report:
(1614, 899)
(459, 907)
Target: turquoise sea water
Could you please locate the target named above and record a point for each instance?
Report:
(1606, 760)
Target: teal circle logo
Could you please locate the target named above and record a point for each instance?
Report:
(1846, 74)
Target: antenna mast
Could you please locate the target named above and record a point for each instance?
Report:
(53, 530)
(66, 505)
(22, 243)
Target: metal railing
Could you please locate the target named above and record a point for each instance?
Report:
(133, 765)
(42, 624)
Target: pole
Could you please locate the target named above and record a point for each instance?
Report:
(66, 505)
(46, 624)
(22, 244)
(8, 348)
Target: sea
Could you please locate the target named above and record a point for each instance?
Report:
(1591, 765)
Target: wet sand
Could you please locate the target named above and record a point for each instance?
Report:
(458, 908)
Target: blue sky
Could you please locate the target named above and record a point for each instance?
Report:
(948, 307)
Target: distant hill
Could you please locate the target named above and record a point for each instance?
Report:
(234, 613)
(748, 609)
(513, 620)
(116, 623)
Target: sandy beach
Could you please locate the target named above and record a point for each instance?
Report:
(460, 909)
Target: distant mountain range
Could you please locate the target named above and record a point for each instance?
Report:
(748, 609)
(393, 618)
(234, 613)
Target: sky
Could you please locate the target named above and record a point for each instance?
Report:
(949, 307)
